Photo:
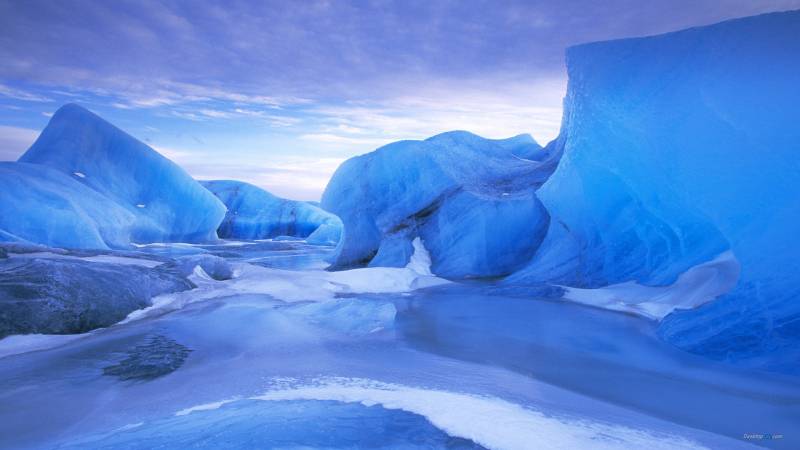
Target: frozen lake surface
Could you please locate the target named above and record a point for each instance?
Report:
(286, 355)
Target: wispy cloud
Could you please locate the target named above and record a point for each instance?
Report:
(19, 94)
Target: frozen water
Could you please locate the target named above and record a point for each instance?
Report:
(470, 199)
(254, 213)
(433, 363)
(162, 202)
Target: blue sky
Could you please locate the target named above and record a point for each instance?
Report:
(280, 93)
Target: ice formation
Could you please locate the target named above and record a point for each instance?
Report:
(254, 213)
(42, 205)
(138, 195)
(677, 148)
(472, 200)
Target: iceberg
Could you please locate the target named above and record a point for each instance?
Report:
(675, 149)
(471, 200)
(254, 213)
(41, 205)
(156, 201)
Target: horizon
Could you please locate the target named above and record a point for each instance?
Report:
(301, 93)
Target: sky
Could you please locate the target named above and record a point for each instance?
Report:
(279, 93)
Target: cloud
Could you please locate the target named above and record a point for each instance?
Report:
(18, 94)
(14, 141)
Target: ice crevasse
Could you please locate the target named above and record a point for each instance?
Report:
(85, 183)
(471, 200)
(254, 213)
(675, 149)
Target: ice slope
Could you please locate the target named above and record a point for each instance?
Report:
(677, 148)
(164, 201)
(254, 213)
(42, 205)
(471, 200)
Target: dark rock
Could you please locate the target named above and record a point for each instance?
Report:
(63, 296)
(156, 357)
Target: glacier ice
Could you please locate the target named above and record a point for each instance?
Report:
(677, 148)
(254, 213)
(471, 200)
(44, 206)
(155, 200)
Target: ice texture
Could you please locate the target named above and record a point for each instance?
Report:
(164, 203)
(677, 148)
(254, 213)
(471, 200)
(42, 205)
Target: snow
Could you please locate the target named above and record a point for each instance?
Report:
(448, 190)
(677, 148)
(511, 427)
(296, 286)
(697, 286)
(24, 343)
(254, 213)
(121, 171)
(106, 259)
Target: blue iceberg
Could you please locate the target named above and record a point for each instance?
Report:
(254, 213)
(44, 206)
(678, 148)
(471, 200)
(163, 203)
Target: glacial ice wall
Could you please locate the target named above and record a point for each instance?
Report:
(677, 148)
(471, 200)
(254, 213)
(166, 203)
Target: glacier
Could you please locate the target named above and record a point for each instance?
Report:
(138, 195)
(471, 200)
(675, 149)
(254, 213)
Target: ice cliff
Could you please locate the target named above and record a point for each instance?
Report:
(87, 184)
(677, 148)
(254, 213)
(471, 200)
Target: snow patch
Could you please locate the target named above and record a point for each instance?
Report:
(106, 259)
(296, 286)
(511, 426)
(698, 285)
